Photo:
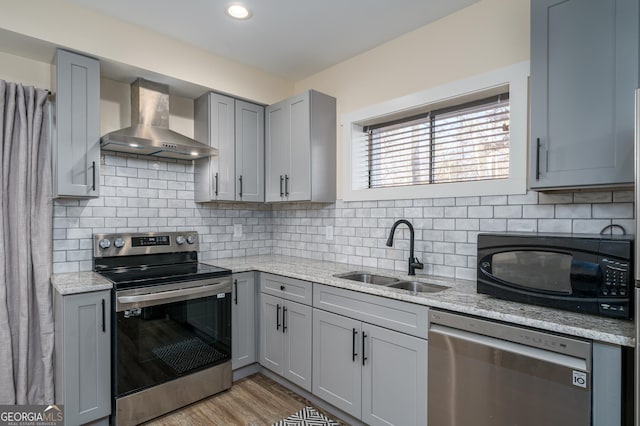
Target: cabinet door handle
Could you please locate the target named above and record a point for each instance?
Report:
(284, 319)
(216, 186)
(353, 345)
(281, 191)
(364, 358)
(93, 168)
(277, 317)
(240, 179)
(104, 324)
(235, 288)
(286, 185)
(538, 159)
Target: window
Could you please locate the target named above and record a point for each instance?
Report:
(467, 142)
(464, 138)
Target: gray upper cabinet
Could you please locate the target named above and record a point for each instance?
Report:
(243, 320)
(301, 149)
(584, 69)
(214, 125)
(76, 130)
(83, 356)
(249, 152)
(236, 129)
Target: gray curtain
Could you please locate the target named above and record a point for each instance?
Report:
(26, 317)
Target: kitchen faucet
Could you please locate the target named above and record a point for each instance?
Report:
(413, 262)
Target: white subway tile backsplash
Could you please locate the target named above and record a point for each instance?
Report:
(555, 198)
(493, 225)
(509, 212)
(573, 211)
(589, 226)
(542, 211)
(468, 201)
(613, 211)
(522, 225)
(554, 225)
(141, 194)
(455, 212)
(592, 197)
(623, 196)
(480, 211)
(530, 197)
(493, 200)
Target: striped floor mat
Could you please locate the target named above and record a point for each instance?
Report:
(308, 416)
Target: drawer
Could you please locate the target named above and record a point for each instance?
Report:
(287, 288)
(395, 315)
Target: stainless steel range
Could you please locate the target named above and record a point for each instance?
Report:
(171, 343)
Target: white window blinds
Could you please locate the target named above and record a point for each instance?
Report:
(467, 142)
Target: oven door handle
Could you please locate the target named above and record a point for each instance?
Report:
(163, 297)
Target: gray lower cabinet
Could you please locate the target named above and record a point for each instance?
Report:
(243, 320)
(76, 127)
(83, 356)
(394, 378)
(300, 148)
(337, 361)
(376, 373)
(285, 339)
(584, 69)
(371, 373)
(236, 129)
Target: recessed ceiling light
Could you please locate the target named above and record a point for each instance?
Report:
(238, 11)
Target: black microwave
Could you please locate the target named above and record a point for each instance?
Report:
(591, 274)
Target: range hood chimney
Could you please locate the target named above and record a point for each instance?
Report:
(149, 133)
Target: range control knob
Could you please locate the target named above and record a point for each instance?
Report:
(180, 240)
(119, 243)
(191, 239)
(104, 244)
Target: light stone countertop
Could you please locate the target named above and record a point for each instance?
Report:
(79, 282)
(460, 297)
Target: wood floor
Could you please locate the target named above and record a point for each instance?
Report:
(254, 400)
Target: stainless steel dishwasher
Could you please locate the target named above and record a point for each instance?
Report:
(484, 373)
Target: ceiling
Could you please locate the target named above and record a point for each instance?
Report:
(292, 39)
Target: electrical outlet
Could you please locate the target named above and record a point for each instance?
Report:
(237, 230)
(328, 232)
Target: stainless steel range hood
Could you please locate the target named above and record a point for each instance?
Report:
(149, 133)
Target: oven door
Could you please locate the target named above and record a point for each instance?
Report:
(168, 331)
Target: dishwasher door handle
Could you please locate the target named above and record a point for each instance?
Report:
(516, 348)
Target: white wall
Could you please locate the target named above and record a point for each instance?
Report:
(488, 35)
(16, 69)
(64, 24)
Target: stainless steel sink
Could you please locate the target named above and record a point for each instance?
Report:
(366, 277)
(417, 287)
